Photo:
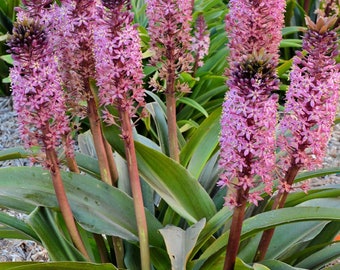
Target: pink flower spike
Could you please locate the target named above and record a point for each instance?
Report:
(230, 201)
(74, 23)
(37, 94)
(200, 41)
(248, 121)
(312, 97)
(118, 58)
(254, 25)
(254, 198)
(170, 39)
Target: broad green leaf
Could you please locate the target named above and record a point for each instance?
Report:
(88, 164)
(322, 257)
(147, 70)
(160, 258)
(308, 175)
(158, 115)
(258, 266)
(201, 145)
(13, 153)
(59, 249)
(239, 264)
(186, 125)
(277, 265)
(218, 264)
(212, 226)
(210, 174)
(304, 252)
(180, 243)
(292, 29)
(293, 43)
(56, 266)
(168, 178)
(270, 219)
(327, 235)
(98, 207)
(192, 103)
(319, 193)
(286, 246)
(317, 173)
(18, 225)
(216, 62)
(16, 204)
(9, 233)
(283, 245)
(86, 145)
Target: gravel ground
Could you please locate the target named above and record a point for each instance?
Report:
(18, 250)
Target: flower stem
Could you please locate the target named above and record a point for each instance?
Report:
(172, 125)
(64, 205)
(72, 165)
(171, 108)
(306, 6)
(112, 163)
(103, 253)
(98, 141)
(235, 229)
(70, 161)
(278, 203)
(119, 251)
(107, 165)
(136, 189)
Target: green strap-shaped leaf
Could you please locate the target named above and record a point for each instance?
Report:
(19, 225)
(292, 29)
(192, 103)
(277, 265)
(174, 184)
(9, 233)
(161, 126)
(212, 226)
(13, 153)
(293, 43)
(321, 257)
(180, 243)
(272, 219)
(317, 173)
(202, 144)
(59, 249)
(98, 207)
(218, 263)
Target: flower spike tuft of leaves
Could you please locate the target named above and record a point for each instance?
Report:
(247, 139)
(40, 104)
(37, 93)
